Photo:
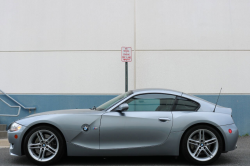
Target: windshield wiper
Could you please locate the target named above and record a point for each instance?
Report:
(94, 108)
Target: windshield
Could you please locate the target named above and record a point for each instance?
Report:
(113, 101)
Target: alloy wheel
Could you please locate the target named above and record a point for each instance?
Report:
(202, 145)
(43, 145)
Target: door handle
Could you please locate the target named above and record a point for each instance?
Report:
(164, 119)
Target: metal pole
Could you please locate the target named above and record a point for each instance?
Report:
(126, 76)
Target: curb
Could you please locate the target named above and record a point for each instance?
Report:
(4, 143)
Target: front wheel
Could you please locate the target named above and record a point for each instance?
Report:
(201, 144)
(44, 145)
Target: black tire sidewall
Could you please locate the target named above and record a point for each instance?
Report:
(61, 150)
(184, 149)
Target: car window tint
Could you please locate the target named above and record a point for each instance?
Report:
(151, 102)
(184, 104)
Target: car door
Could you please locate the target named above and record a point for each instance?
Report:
(147, 122)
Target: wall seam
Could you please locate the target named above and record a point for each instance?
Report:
(120, 50)
(134, 44)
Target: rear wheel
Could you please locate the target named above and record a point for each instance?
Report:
(44, 145)
(201, 144)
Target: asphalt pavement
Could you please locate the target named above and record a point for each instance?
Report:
(240, 156)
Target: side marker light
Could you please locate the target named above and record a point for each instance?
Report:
(230, 131)
(16, 136)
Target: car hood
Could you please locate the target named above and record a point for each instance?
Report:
(69, 111)
(55, 117)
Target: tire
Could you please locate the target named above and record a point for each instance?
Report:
(199, 151)
(44, 145)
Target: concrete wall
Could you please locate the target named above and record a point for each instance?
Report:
(72, 48)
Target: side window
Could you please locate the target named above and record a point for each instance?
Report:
(151, 102)
(183, 104)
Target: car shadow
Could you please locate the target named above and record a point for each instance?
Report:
(144, 160)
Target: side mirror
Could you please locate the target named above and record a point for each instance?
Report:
(122, 107)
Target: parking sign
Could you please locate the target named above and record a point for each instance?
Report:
(126, 54)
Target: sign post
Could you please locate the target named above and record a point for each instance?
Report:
(126, 56)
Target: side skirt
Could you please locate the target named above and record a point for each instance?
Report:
(168, 148)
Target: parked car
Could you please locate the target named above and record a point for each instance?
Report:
(146, 122)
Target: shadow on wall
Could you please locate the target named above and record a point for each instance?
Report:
(239, 103)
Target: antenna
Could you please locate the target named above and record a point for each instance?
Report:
(217, 100)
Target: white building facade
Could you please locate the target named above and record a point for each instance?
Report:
(66, 54)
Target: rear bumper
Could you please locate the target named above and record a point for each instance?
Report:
(16, 143)
(230, 138)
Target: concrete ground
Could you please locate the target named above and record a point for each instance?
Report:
(4, 143)
(240, 156)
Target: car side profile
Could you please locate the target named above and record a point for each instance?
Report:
(144, 122)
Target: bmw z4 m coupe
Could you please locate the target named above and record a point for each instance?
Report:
(145, 122)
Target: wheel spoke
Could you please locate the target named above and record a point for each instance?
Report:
(199, 135)
(50, 148)
(40, 153)
(40, 140)
(34, 146)
(203, 135)
(50, 151)
(43, 154)
(51, 138)
(41, 135)
(206, 153)
(196, 144)
(197, 155)
(196, 151)
(211, 143)
(212, 139)
(193, 142)
(210, 153)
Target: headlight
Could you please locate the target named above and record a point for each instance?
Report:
(15, 127)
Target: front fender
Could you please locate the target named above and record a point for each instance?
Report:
(69, 124)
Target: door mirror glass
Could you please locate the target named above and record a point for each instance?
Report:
(122, 107)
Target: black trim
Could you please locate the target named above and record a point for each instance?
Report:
(150, 93)
(130, 93)
(10, 126)
(187, 99)
(174, 105)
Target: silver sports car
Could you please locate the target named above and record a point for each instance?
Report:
(142, 122)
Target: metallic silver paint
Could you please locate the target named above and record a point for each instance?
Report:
(132, 129)
(16, 144)
(129, 133)
(230, 139)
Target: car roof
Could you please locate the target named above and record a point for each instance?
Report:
(156, 90)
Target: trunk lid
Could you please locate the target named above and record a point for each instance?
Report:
(223, 110)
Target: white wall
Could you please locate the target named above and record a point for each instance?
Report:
(63, 72)
(40, 31)
(74, 46)
(193, 46)
(193, 24)
(195, 71)
(66, 25)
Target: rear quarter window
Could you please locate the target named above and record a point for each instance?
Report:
(183, 104)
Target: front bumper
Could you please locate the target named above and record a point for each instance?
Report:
(16, 143)
(230, 138)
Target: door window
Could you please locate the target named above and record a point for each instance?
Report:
(151, 102)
